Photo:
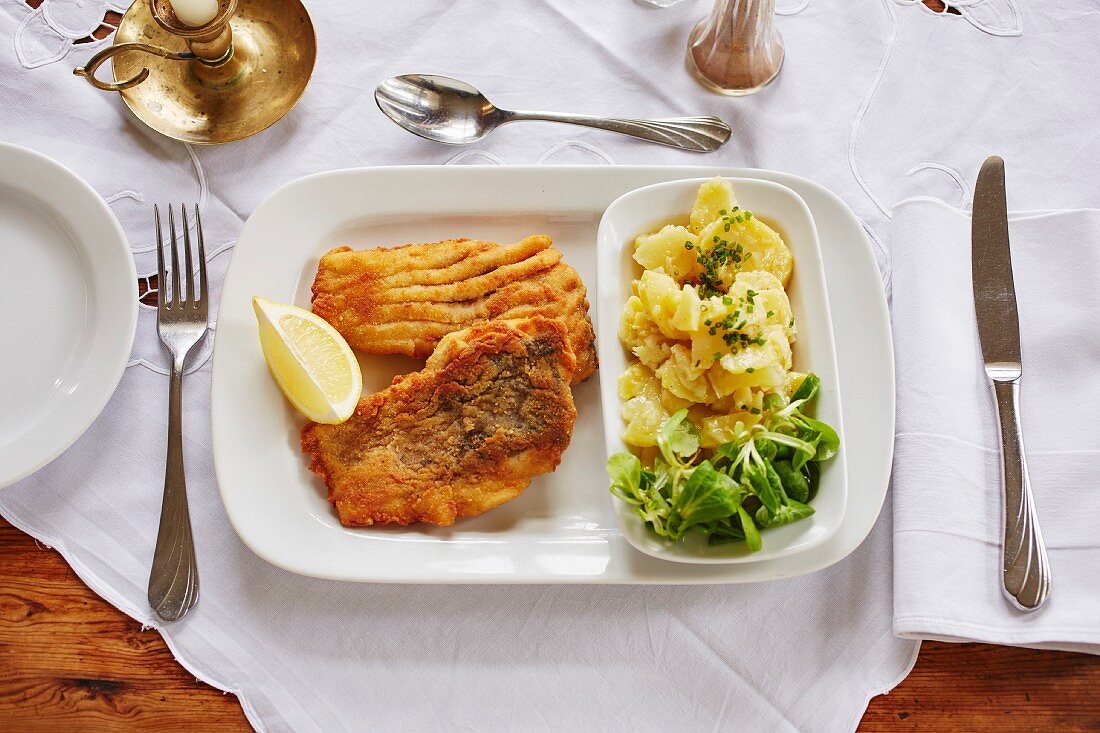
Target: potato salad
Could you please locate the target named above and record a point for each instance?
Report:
(709, 322)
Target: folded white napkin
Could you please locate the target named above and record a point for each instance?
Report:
(947, 497)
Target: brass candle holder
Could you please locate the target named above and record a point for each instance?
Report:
(240, 73)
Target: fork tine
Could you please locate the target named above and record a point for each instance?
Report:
(189, 277)
(202, 258)
(162, 284)
(175, 259)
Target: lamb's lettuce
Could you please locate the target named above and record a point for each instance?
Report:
(763, 478)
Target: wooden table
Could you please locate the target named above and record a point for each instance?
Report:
(70, 661)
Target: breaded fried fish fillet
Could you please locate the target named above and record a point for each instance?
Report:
(492, 410)
(403, 300)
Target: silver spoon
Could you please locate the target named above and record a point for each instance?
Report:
(451, 111)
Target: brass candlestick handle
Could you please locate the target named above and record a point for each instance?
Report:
(244, 69)
(88, 72)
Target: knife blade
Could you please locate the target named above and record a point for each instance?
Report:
(991, 260)
(1025, 570)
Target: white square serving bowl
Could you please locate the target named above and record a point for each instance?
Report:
(647, 209)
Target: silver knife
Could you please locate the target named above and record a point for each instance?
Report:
(1026, 571)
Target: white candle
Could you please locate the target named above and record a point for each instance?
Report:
(195, 12)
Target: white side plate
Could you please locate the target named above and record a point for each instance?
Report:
(643, 211)
(563, 529)
(68, 309)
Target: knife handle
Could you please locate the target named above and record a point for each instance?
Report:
(1026, 568)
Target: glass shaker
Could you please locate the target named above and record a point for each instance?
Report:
(736, 50)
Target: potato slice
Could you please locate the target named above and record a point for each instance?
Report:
(670, 250)
(744, 243)
(715, 199)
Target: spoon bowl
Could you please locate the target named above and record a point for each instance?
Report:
(438, 108)
(453, 112)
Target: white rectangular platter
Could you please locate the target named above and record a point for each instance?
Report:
(563, 528)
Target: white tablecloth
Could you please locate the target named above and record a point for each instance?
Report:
(877, 100)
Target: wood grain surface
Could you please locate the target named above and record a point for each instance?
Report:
(70, 662)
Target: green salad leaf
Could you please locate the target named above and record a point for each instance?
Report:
(707, 495)
(678, 439)
(792, 511)
(752, 534)
(763, 478)
(795, 484)
(625, 471)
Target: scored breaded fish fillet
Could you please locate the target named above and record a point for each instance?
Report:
(403, 300)
(492, 410)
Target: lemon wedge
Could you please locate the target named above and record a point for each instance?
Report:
(310, 361)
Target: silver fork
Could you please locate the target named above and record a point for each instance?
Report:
(181, 324)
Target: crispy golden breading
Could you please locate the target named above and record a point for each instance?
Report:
(403, 300)
(492, 410)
